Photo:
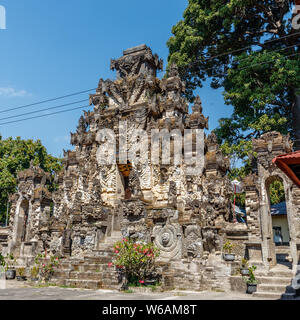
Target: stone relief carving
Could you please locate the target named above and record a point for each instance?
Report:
(193, 241)
(169, 240)
(211, 240)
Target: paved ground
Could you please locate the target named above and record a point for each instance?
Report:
(18, 291)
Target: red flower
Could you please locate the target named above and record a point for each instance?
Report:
(110, 264)
(116, 251)
(141, 281)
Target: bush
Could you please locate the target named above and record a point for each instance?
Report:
(135, 259)
(46, 265)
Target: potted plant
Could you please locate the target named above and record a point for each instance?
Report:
(21, 274)
(34, 273)
(251, 281)
(10, 271)
(228, 255)
(244, 267)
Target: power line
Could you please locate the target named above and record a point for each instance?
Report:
(40, 116)
(80, 92)
(44, 115)
(41, 110)
(271, 51)
(256, 64)
(250, 46)
(241, 49)
(49, 100)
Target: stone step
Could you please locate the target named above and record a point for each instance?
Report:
(85, 275)
(279, 288)
(94, 267)
(282, 250)
(62, 274)
(86, 284)
(277, 273)
(267, 295)
(274, 280)
(98, 260)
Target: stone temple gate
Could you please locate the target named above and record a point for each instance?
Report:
(188, 217)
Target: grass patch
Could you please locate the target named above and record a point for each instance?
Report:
(128, 291)
(43, 285)
(218, 290)
(67, 286)
(179, 294)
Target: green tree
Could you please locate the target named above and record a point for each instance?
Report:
(260, 80)
(15, 156)
(277, 194)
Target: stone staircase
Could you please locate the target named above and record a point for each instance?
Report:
(275, 284)
(92, 271)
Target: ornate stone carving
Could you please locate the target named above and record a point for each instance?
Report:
(136, 60)
(169, 240)
(211, 240)
(193, 241)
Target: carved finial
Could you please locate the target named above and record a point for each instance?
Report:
(173, 70)
(212, 139)
(135, 61)
(197, 105)
(81, 128)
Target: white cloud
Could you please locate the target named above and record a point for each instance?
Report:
(11, 92)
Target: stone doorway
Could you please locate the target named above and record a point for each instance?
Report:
(125, 170)
(22, 221)
(279, 237)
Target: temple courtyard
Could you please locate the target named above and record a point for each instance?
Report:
(22, 291)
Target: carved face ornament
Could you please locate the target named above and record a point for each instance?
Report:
(165, 238)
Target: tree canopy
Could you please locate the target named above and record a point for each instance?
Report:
(247, 47)
(16, 155)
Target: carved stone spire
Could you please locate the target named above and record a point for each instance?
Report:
(197, 105)
(81, 128)
(135, 61)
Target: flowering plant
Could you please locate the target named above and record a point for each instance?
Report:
(135, 259)
(46, 265)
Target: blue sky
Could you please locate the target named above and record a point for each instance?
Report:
(52, 48)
